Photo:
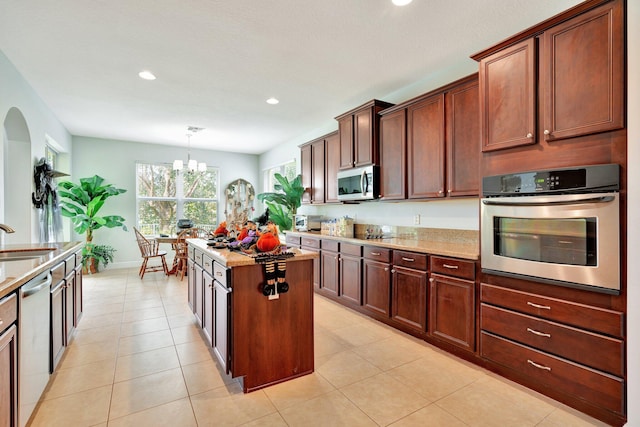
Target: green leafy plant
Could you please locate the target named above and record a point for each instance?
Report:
(102, 254)
(82, 202)
(284, 202)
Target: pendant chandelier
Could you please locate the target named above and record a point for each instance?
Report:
(192, 164)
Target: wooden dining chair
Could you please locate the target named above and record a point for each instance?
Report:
(182, 250)
(150, 249)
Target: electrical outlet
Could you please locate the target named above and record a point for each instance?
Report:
(416, 219)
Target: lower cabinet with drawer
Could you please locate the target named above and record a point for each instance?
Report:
(9, 361)
(350, 264)
(452, 311)
(376, 283)
(313, 245)
(409, 290)
(558, 345)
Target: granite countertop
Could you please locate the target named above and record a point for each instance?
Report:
(235, 259)
(16, 273)
(453, 247)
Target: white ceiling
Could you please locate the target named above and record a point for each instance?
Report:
(218, 61)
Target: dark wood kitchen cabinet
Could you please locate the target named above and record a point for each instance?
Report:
(393, 155)
(429, 145)
(319, 168)
(575, 349)
(358, 131)
(330, 266)
(426, 148)
(312, 171)
(57, 301)
(462, 107)
(452, 311)
(409, 290)
(351, 273)
(579, 62)
(9, 361)
(317, 171)
(306, 171)
(332, 165)
(376, 283)
(313, 244)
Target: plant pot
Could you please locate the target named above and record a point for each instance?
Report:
(90, 266)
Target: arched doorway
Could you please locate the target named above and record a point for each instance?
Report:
(16, 164)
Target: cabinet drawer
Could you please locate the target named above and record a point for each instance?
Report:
(560, 374)
(351, 249)
(58, 273)
(198, 257)
(596, 319)
(310, 242)
(8, 311)
(70, 263)
(377, 254)
(207, 263)
(594, 350)
(453, 267)
(330, 245)
(220, 274)
(292, 240)
(410, 259)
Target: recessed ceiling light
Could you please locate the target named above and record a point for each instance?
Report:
(147, 75)
(272, 101)
(401, 2)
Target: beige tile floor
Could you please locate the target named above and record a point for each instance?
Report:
(138, 359)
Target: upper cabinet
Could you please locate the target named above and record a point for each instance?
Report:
(359, 134)
(430, 145)
(578, 60)
(319, 169)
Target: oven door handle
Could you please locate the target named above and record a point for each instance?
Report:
(503, 202)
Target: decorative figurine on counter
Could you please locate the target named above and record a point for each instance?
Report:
(221, 230)
(275, 263)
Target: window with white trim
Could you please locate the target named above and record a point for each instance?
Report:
(288, 170)
(164, 195)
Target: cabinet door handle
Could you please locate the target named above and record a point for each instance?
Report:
(218, 273)
(376, 253)
(452, 267)
(386, 269)
(538, 333)
(393, 270)
(529, 135)
(408, 259)
(431, 279)
(532, 363)
(546, 132)
(544, 307)
(1, 322)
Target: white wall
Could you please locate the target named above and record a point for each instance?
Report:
(115, 161)
(633, 212)
(16, 92)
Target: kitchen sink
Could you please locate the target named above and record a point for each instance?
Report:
(23, 253)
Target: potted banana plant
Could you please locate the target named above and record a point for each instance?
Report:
(81, 203)
(284, 202)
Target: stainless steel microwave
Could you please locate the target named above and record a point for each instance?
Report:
(358, 183)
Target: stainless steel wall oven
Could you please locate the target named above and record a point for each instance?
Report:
(555, 226)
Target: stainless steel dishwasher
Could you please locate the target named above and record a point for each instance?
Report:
(33, 343)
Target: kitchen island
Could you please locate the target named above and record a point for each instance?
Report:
(263, 339)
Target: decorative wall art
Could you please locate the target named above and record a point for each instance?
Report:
(239, 195)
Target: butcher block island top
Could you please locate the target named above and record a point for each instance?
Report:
(265, 339)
